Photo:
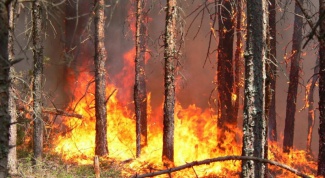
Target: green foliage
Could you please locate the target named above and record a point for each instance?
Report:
(54, 167)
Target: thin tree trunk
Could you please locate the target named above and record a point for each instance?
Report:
(272, 132)
(37, 83)
(254, 123)
(225, 70)
(311, 110)
(170, 56)
(239, 63)
(321, 130)
(4, 91)
(12, 161)
(294, 80)
(140, 91)
(101, 148)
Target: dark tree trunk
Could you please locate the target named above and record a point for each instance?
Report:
(170, 56)
(311, 110)
(321, 131)
(238, 62)
(294, 80)
(4, 91)
(100, 80)
(12, 158)
(140, 91)
(37, 84)
(272, 133)
(225, 70)
(254, 123)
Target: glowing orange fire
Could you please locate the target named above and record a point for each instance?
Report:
(195, 136)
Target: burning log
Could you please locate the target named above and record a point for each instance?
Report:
(55, 111)
(218, 159)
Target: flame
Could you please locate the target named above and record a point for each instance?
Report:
(195, 137)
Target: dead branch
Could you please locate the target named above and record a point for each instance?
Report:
(110, 96)
(61, 112)
(224, 158)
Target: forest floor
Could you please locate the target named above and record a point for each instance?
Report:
(54, 167)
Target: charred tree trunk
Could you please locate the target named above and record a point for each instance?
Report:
(254, 123)
(272, 133)
(294, 80)
(311, 110)
(225, 70)
(238, 63)
(321, 131)
(37, 83)
(140, 90)
(170, 56)
(100, 80)
(4, 91)
(12, 158)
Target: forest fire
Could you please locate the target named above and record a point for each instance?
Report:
(196, 136)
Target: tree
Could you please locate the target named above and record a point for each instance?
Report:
(100, 79)
(170, 57)
(238, 62)
(12, 155)
(310, 105)
(4, 90)
(37, 81)
(254, 123)
(140, 91)
(225, 69)
(321, 104)
(294, 80)
(272, 74)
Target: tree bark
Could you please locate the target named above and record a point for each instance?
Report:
(140, 91)
(321, 131)
(311, 110)
(101, 148)
(225, 70)
(12, 157)
(254, 123)
(294, 80)
(4, 91)
(272, 132)
(37, 83)
(170, 56)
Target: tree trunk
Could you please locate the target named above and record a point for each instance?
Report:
(311, 110)
(294, 80)
(238, 62)
(225, 70)
(170, 56)
(272, 132)
(254, 123)
(321, 131)
(37, 83)
(140, 91)
(100, 80)
(4, 91)
(12, 161)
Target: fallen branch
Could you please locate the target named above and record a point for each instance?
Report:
(225, 158)
(61, 112)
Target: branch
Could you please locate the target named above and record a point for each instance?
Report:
(110, 96)
(225, 158)
(61, 112)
